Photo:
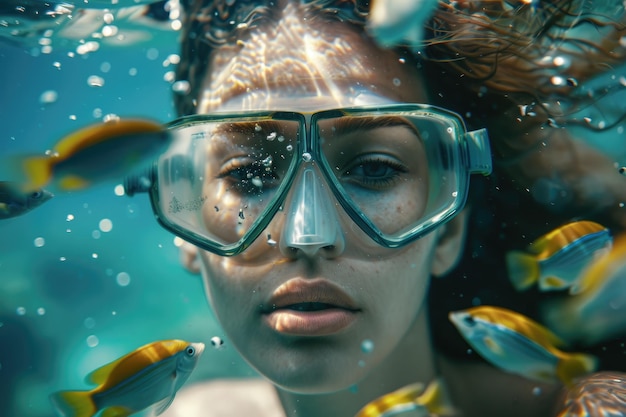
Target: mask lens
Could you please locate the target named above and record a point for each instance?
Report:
(397, 172)
(220, 179)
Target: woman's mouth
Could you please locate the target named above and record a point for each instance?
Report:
(309, 308)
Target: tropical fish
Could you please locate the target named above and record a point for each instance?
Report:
(556, 260)
(15, 202)
(412, 400)
(394, 22)
(100, 152)
(519, 345)
(597, 311)
(150, 375)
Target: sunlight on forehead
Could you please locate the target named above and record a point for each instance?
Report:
(294, 58)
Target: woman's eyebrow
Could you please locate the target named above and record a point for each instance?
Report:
(348, 125)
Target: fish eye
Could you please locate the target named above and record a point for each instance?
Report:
(190, 351)
(469, 321)
(36, 195)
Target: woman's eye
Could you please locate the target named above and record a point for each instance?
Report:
(374, 173)
(249, 177)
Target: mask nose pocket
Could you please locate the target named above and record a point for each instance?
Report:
(312, 222)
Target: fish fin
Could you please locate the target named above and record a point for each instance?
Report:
(38, 171)
(436, 399)
(523, 269)
(74, 403)
(552, 283)
(574, 365)
(117, 411)
(72, 182)
(163, 405)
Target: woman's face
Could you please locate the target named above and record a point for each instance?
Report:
(314, 318)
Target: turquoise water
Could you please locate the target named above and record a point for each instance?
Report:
(72, 296)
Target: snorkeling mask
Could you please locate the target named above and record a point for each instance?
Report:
(397, 170)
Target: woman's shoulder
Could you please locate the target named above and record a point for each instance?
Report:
(226, 397)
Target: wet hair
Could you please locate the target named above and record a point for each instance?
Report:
(535, 52)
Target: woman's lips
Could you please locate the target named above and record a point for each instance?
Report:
(309, 308)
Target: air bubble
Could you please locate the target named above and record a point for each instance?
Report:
(69, 218)
(20, 311)
(256, 181)
(105, 225)
(41, 311)
(39, 242)
(48, 97)
(181, 87)
(267, 161)
(122, 279)
(95, 81)
(271, 136)
(306, 157)
(152, 54)
(92, 341)
(367, 346)
(89, 323)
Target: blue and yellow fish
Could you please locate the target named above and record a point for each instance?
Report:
(519, 345)
(103, 151)
(597, 310)
(15, 202)
(556, 260)
(150, 375)
(414, 400)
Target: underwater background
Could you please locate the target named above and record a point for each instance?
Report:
(89, 276)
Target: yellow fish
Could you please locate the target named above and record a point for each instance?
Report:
(597, 310)
(150, 375)
(411, 400)
(108, 150)
(556, 260)
(519, 345)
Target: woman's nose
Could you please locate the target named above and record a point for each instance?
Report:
(312, 224)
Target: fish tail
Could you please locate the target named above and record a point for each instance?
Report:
(575, 365)
(74, 403)
(38, 171)
(436, 399)
(523, 269)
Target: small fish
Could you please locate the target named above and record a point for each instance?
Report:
(15, 202)
(519, 345)
(100, 152)
(597, 310)
(150, 375)
(557, 259)
(411, 400)
(394, 22)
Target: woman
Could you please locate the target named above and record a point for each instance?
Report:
(324, 295)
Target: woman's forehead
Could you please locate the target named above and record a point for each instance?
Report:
(328, 63)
